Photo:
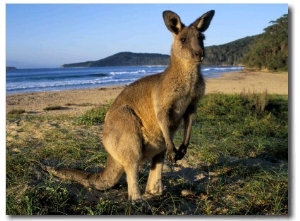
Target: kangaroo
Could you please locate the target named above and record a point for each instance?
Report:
(142, 121)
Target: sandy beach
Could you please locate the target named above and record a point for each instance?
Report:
(76, 102)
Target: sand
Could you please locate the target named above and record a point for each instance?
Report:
(76, 102)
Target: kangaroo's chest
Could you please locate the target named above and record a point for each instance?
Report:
(188, 91)
(177, 111)
(186, 94)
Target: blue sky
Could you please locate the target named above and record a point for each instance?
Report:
(49, 35)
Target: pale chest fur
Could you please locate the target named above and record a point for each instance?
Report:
(187, 90)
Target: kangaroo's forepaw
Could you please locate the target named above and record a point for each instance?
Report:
(180, 153)
(171, 156)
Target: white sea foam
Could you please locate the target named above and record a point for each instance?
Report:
(128, 72)
(31, 80)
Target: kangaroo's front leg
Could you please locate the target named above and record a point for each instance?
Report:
(188, 120)
(164, 122)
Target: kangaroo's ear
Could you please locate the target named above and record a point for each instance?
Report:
(203, 22)
(172, 22)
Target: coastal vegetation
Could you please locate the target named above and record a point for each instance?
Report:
(230, 54)
(237, 162)
(270, 50)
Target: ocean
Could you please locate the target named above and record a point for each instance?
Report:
(58, 79)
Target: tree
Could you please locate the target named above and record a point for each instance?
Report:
(271, 48)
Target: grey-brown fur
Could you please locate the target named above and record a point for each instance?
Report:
(142, 121)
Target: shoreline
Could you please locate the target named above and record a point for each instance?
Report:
(76, 102)
(249, 81)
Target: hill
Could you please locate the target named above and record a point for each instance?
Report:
(270, 51)
(10, 68)
(125, 59)
(227, 54)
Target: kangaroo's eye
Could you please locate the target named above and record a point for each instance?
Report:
(201, 37)
(183, 40)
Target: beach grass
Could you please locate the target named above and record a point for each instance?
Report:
(56, 107)
(94, 116)
(237, 162)
(16, 111)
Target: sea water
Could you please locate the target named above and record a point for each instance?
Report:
(58, 79)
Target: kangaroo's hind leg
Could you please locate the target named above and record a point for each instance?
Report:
(154, 183)
(123, 140)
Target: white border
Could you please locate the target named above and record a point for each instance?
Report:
(294, 119)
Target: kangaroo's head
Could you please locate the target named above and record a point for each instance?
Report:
(188, 41)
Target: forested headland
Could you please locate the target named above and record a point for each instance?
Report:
(125, 59)
(268, 50)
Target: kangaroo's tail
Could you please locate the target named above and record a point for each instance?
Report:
(101, 181)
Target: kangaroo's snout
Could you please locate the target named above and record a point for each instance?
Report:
(199, 55)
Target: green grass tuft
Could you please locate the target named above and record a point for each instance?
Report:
(94, 116)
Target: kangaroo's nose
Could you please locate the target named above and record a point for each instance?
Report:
(200, 55)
